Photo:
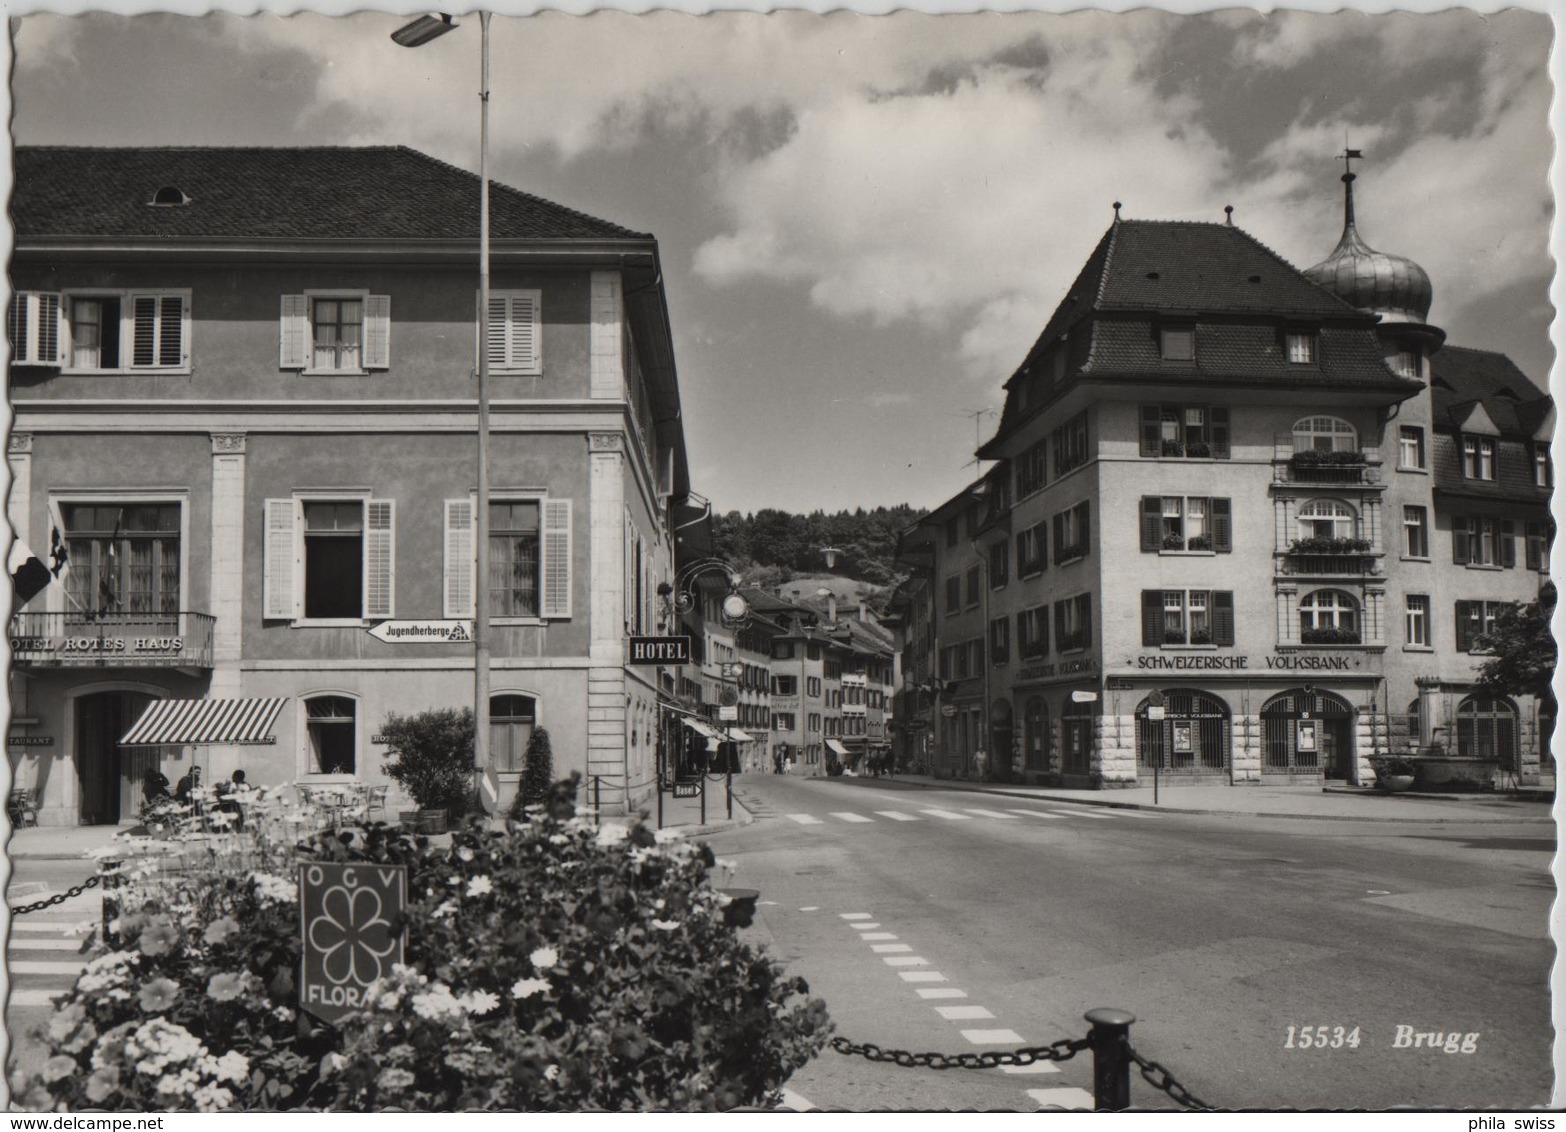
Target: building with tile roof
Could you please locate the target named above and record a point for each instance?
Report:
(244, 410)
(1246, 524)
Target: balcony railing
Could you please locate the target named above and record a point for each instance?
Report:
(1353, 469)
(1360, 564)
(112, 640)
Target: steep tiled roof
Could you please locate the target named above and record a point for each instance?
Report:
(244, 193)
(1461, 376)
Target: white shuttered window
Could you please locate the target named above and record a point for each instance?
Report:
(515, 332)
(33, 325)
(329, 559)
(530, 558)
(334, 332)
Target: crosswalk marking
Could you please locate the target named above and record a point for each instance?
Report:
(991, 814)
(888, 948)
(921, 976)
(878, 935)
(1084, 814)
(993, 1037)
(905, 961)
(1037, 814)
(57, 943)
(941, 992)
(961, 1013)
(1065, 1098)
(896, 815)
(1036, 1067)
(851, 817)
(804, 819)
(48, 927)
(855, 915)
(864, 926)
(34, 997)
(44, 967)
(947, 814)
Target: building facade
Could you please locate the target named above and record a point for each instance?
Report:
(1245, 525)
(244, 398)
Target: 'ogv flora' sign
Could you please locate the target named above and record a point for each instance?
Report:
(345, 917)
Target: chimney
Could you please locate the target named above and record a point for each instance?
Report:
(861, 611)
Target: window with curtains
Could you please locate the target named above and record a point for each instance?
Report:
(1416, 532)
(1000, 640)
(331, 725)
(1070, 442)
(1479, 457)
(1300, 348)
(1537, 538)
(1033, 632)
(124, 558)
(1329, 617)
(1074, 623)
(1325, 434)
(1175, 524)
(1031, 469)
(529, 558)
(1187, 617)
(514, 559)
(1327, 518)
(1411, 447)
(1032, 549)
(329, 559)
(1192, 431)
(108, 331)
(511, 720)
(335, 332)
(1483, 540)
(515, 332)
(1416, 620)
(1474, 620)
(1071, 533)
(1487, 729)
(999, 561)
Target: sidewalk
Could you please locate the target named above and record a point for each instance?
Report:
(1338, 803)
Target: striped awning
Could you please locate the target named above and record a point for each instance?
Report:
(702, 727)
(834, 745)
(203, 722)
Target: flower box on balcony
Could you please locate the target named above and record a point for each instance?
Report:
(1174, 542)
(1173, 448)
(1324, 544)
(1199, 448)
(1200, 542)
(1311, 458)
(1330, 635)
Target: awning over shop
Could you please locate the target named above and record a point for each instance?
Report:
(735, 735)
(703, 728)
(835, 746)
(204, 722)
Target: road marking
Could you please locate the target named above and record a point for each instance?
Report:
(62, 944)
(922, 976)
(905, 961)
(48, 927)
(896, 815)
(804, 819)
(993, 1037)
(887, 948)
(812, 908)
(851, 817)
(991, 814)
(36, 997)
(54, 967)
(940, 992)
(1037, 814)
(1083, 814)
(1036, 1067)
(958, 1013)
(791, 1099)
(947, 814)
(878, 935)
(855, 915)
(1065, 1098)
(863, 927)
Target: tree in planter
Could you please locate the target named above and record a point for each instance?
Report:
(431, 756)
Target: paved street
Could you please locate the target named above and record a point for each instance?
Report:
(939, 919)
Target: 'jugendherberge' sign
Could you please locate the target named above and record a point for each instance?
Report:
(658, 650)
(345, 916)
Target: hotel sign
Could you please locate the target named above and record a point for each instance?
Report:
(658, 650)
(98, 645)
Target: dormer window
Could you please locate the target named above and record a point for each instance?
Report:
(1177, 343)
(169, 196)
(1478, 457)
(1300, 348)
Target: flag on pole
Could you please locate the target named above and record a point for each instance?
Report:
(109, 575)
(59, 552)
(489, 788)
(29, 576)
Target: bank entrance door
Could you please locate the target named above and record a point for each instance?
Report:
(1304, 730)
(110, 776)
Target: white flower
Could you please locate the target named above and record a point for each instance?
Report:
(612, 834)
(552, 1073)
(544, 958)
(480, 886)
(479, 1002)
(464, 854)
(527, 988)
(445, 911)
(666, 925)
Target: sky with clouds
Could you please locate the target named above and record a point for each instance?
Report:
(866, 220)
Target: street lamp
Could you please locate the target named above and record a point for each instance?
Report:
(415, 34)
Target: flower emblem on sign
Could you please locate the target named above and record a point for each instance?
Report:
(352, 935)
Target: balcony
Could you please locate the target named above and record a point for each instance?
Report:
(1330, 558)
(1332, 469)
(112, 640)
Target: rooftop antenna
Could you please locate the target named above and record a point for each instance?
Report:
(1349, 156)
(978, 416)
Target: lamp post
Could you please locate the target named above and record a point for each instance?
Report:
(416, 34)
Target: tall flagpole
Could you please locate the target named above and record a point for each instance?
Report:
(481, 527)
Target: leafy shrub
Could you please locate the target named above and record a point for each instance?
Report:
(552, 965)
(537, 774)
(431, 756)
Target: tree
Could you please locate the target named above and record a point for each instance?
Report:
(1523, 660)
(537, 769)
(431, 756)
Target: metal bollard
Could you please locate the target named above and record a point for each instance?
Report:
(110, 880)
(598, 802)
(1111, 1066)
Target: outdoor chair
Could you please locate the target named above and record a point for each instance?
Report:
(22, 808)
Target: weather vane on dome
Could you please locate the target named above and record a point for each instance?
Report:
(1348, 156)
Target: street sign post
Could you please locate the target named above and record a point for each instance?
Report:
(428, 632)
(687, 789)
(1155, 713)
(346, 942)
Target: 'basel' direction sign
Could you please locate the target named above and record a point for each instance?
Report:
(659, 650)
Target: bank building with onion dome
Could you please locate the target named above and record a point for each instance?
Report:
(1245, 523)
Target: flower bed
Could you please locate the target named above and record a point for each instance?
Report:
(552, 965)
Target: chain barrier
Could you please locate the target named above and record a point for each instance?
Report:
(1160, 1078)
(1062, 1050)
(60, 898)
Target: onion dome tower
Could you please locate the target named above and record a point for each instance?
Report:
(1392, 286)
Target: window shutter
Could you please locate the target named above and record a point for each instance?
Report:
(171, 333)
(1152, 522)
(1462, 614)
(1023, 565)
(1223, 537)
(1152, 618)
(1060, 530)
(557, 558)
(33, 325)
(1084, 539)
(1086, 604)
(1223, 617)
(281, 554)
(380, 568)
(51, 340)
(1151, 430)
(293, 351)
(1220, 432)
(1043, 627)
(1508, 543)
(1461, 526)
(157, 322)
(499, 312)
(1060, 626)
(523, 332)
(459, 558)
(377, 331)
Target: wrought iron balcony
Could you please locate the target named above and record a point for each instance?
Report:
(1350, 565)
(112, 640)
(1343, 469)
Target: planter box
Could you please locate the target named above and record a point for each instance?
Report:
(423, 821)
(1452, 774)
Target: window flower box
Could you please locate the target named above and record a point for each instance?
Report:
(1325, 544)
(1200, 542)
(1199, 449)
(1329, 635)
(1174, 541)
(1312, 458)
(1173, 448)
